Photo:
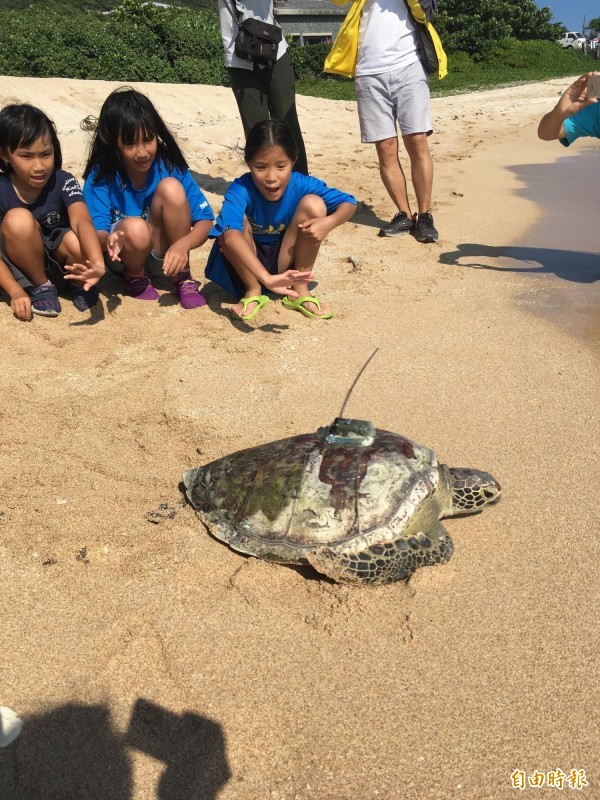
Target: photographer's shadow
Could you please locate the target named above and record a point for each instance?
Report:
(73, 752)
(568, 265)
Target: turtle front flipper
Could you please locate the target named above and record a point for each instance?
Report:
(387, 562)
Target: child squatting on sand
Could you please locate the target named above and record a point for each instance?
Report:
(271, 226)
(148, 210)
(44, 221)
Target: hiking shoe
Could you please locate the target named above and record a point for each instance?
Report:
(84, 299)
(401, 223)
(44, 300)
(187, 290)
(424, 229)
(140, 287)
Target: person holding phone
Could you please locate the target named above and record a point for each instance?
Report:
(576, 114)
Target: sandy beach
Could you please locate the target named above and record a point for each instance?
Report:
(148, 660)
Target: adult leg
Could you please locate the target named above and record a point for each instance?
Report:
(282, 104)
(251, 96)
(301, 252)
(421, 166)
(413, 109)
(392, 173)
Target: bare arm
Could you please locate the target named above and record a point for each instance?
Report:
(177, 256)
(90, 272)
(572, 101)
(19, 299)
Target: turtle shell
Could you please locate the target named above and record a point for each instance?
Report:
(347, 482)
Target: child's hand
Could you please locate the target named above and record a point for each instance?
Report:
(281, 283)
(114, 244)
(575, 98)
(21, 306)
(315, 230)
(175, 260)
(86, 275)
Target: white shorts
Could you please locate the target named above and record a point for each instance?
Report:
(400, 96)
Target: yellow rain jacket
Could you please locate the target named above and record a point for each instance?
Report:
(342, 58)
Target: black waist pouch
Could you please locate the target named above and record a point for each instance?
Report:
(257, 42)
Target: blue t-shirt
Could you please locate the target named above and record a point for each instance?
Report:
(110, 201)
(585, 123)
(50, 208)
(269, 219)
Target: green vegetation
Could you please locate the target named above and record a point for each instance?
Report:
(140, 41)
(473, 26)
(507, 61)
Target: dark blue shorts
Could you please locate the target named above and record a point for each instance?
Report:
(220, 271)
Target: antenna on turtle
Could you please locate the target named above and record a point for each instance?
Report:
(355, 381)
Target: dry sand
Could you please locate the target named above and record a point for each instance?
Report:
(148, 660)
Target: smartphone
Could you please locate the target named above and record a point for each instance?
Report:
(593, 86)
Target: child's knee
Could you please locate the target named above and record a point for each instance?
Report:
(313, 206)
(19, 222)
(171, 191)
(138, 235)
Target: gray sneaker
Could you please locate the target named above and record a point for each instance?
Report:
(423, 229)
(401, 223)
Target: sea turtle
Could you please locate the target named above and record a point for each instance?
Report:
(355, 502)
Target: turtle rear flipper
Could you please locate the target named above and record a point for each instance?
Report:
(387, 562)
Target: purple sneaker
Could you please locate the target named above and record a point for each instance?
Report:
(186, 290)
(140, 287)
(44, 300)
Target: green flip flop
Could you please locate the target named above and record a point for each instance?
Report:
(260, 300)
(298, 305)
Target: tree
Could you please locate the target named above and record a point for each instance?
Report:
(473, 25)
(594, 26)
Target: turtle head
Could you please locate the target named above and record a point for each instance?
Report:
(472, 490)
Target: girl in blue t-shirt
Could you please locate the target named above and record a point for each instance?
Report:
(148, 210)
(271, 226)
(44, 222)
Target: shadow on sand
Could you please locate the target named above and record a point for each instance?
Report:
(568, 265)
(72, 752)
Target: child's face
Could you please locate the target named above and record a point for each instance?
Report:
(271, 171)
(138, 156)
(31, 165)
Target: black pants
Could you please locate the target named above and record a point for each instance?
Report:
(269, 93)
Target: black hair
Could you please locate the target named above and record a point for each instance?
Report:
(124, 113)
(20, 126)
(270, 133)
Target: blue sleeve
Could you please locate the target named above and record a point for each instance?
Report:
(97, 198)
(199, 205)
(331, 197)
(585, 123)
(234, 207)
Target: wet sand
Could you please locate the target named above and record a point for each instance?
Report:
(149, 660)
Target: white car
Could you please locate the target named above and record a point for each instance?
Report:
(576, 41)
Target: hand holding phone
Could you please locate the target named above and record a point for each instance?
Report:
(593, 86)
